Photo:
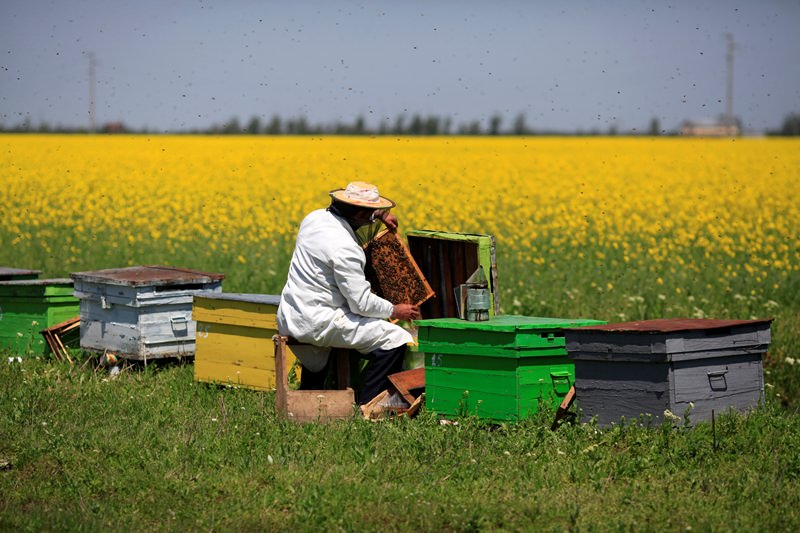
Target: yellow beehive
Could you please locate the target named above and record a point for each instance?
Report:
(234, 339)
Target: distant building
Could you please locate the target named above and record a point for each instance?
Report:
(114, 127)
(709, 128)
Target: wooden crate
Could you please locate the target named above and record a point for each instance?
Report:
(302, 406)
(141, 312)
(682, 366)
(234, 340)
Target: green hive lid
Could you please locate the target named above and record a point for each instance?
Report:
(448, 235)
(36, 287)
(508, 323)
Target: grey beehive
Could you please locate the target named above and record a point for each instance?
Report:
(684, 366)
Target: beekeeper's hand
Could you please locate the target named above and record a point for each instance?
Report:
(388, 219)
(406, 312)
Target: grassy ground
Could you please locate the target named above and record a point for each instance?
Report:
(150, 449)
(610, 229)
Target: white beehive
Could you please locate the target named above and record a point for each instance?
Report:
(141, 312)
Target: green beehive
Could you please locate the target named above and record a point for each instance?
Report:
(500, 369)
(29, 306)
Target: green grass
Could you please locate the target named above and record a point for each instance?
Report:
(152, 450)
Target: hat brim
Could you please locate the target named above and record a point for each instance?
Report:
(382, 203)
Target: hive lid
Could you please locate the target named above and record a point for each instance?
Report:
(36, 282)
(267, 299)
(447, 235)
(508, 323)
(670, 325)
(148, 276)
(9, 271)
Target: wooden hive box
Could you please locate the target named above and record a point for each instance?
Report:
(651, 366)
(141, 312)
(447, 260)
(235, 339)
(29, 305)
(500, 369)
(11, 274)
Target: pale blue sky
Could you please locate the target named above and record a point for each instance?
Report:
(174, 65)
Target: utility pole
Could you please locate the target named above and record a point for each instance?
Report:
(92, 65)
(729, 85)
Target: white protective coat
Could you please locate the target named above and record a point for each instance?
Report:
(327, 301)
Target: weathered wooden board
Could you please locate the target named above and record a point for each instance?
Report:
(407, 381)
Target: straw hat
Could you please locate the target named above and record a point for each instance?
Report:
(363, 195)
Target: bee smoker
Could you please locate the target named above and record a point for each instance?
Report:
(473, 298)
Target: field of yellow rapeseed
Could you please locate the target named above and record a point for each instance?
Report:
(604, 227)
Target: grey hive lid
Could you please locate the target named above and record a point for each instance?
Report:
(9, 271)
(670, 325)
(36, 282)
(148, 275)
(268, 299)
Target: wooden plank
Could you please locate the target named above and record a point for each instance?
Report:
(233, 348)
(407, 381)
(566, 403)
(414, 408)
(342, 367)
(235, 376)
(261, 316)
(319, 405)
(62, 349)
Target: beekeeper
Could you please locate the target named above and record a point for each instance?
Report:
(327, 301)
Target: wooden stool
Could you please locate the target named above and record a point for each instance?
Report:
(310, 405)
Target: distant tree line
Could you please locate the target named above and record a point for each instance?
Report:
(790, 126)
(416, 124)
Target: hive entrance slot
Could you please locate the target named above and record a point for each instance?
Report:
(180, 287)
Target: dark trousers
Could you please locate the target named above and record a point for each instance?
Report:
(382, 363)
